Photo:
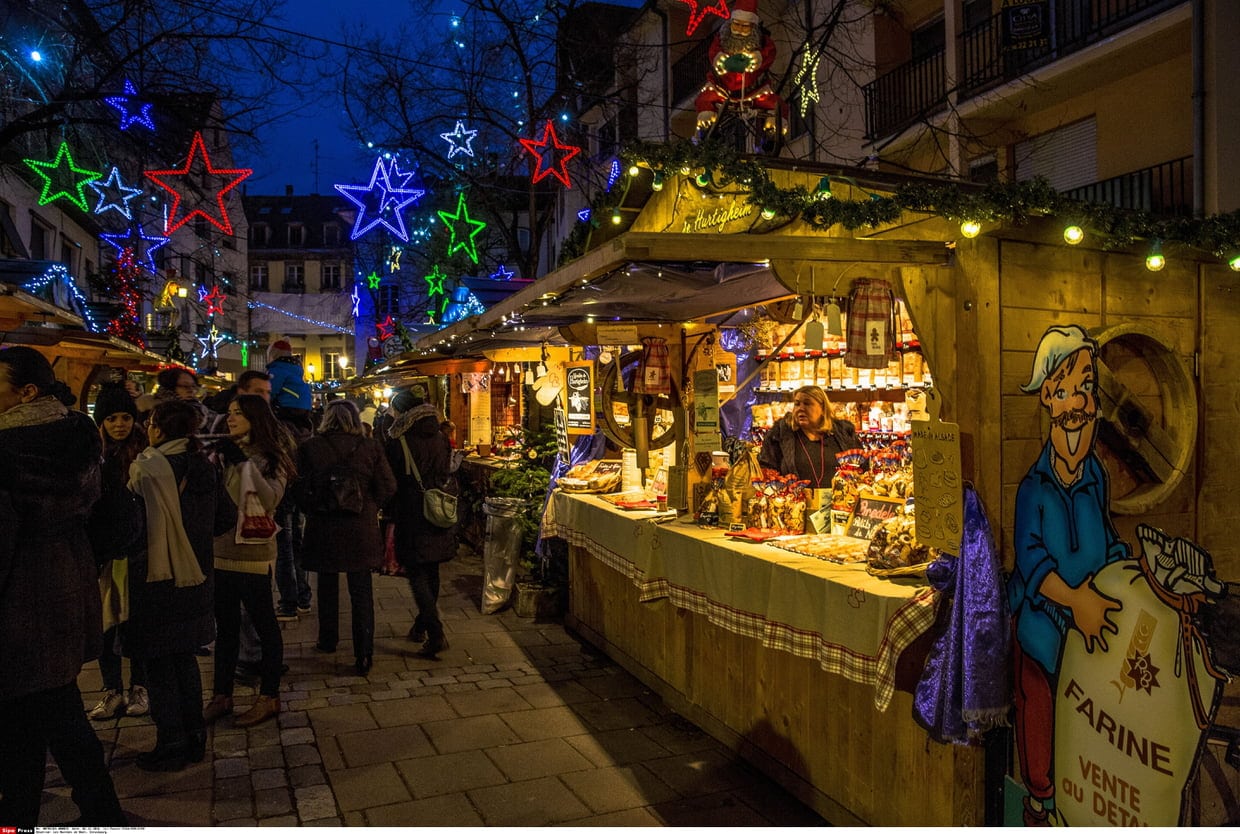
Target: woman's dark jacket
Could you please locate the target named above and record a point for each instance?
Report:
(780, 445)
(51, 619)
(417, 540)
(165, 619)
(340, 542)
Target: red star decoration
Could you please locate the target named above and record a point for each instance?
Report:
(232, 177)
(549, 146)
(386, 328)
(698, 14)
(214, 301)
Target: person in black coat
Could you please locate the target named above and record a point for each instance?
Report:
(344, 542)
(171, 601)
(420, 545)
(806, 442)
(50, 611)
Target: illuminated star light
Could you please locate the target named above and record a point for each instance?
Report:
(232, 177)
(383, 200)
(434, 282)
(549, 146)
(698, 14)
(202, 294)
(128, 118)
(460, 140)
(373, 280)
(215, 301)
(806, 79)
(114, 194)
(133, 240)
(466, 241)
(356, 298)
(385, 328)
(501, 274)
(211, 341)
(584, 215)
(49, 171)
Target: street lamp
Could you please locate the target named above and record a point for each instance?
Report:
(310, 370)
(343, 361)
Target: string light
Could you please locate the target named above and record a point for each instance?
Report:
(615, 216)
(59, 273)
(382, 199)
(806, 79)
(552, 156)
(1073, 235)
(970, 228)
(316, 322)
(768, 213)
(459, 140)
(657, 182)
(697, 14)
(1234, 263)
(114, 194)
(1155, 260)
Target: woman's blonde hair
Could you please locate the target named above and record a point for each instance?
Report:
(341, 416)
(815, 393)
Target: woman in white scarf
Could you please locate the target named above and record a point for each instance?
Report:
(171, 582)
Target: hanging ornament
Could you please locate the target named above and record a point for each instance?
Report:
(434, 282)
(806, 78)
(460, 140)
(192, 177)
(501, 274)
(62, 178)
(131, 111)
(372, 280)
(383, 200)
(697, 13)
(214, 301)
(133, 241)
(552, 156)
(114, 194)
(394, 259)
(385, 329)
(472, 227)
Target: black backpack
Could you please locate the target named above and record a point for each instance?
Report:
(336, 490)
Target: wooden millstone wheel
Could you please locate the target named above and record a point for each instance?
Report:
(620, 409)
(1147, 416)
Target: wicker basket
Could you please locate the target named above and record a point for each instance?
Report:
(892, 573)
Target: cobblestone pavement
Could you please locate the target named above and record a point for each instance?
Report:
(518, 723)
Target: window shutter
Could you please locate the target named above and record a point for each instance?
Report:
(1067, 157)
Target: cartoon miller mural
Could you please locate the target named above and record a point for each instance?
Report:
(1114, 685)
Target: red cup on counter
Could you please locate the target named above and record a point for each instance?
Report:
(661, 502)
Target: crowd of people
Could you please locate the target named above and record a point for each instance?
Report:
(172, 527)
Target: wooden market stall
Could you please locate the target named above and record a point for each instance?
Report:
(763, 650)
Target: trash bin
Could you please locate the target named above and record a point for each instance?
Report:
(501, 550)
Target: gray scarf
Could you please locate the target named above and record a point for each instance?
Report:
(45, 409)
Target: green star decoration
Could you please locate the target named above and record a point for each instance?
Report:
(55, 179)
(465, 241)
(373, 281)
(434, 282)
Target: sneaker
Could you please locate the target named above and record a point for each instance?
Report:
(286, 615)
(112, 705)
(139, 702)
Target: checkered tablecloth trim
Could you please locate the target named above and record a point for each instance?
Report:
(911, 620)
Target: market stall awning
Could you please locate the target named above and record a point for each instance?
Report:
(20, 309)
(653, 276)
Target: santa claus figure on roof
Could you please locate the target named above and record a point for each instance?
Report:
(741, 53)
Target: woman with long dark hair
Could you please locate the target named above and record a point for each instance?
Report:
(50, 621)
(343, 541)
(258, 465)
(170, 582)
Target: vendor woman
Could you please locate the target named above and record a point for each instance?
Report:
(806, 440)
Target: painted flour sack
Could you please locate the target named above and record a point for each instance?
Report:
(1131, 721)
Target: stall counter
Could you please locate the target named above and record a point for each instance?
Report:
(787, 658)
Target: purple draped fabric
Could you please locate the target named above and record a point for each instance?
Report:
(965, 689)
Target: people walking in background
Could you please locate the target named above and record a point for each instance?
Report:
(258, 464)
(292, 402)
(182, 384)
(339, 538)
(171, 612)
(420, 545)
(117, 530)
(50, 622)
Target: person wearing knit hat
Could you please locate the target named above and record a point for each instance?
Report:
(741, 53)
(279, 349)
(289, 389)
(113, 399)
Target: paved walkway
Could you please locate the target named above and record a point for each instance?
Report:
(518, 723)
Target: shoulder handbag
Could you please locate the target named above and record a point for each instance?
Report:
(438, 506)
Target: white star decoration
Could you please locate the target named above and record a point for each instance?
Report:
(114, 194)
(806, 79)
(460, 140)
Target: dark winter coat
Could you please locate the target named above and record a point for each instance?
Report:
(337, 542)
(165, 619)
(50, 611)
(417, 540)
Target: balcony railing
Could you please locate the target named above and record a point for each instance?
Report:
(689, 71)
(896, 99)
(1165, 189)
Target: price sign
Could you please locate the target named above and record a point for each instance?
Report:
(871, 512)
(579, 380)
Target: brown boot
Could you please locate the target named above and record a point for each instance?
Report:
(217, 708)
(265, 707)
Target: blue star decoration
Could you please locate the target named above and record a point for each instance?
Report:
(136, 113)
(471, 228)
(501, 274)
(114, 194)
(460, 140)
(382, 200)
(133, 240)
(584, 215)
